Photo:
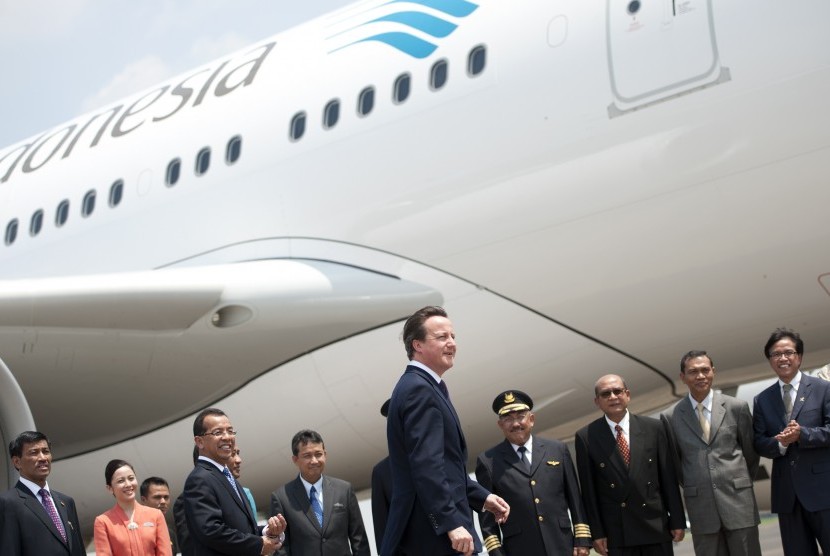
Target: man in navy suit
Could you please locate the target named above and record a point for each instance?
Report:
(219, 518)
(432, 494)
(381, 490)
(32, 522)
(792, 427)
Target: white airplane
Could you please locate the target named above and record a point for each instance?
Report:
(587, 188)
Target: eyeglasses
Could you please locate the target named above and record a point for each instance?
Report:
(605, 394)
(219, 433)
(779, 354)
(513, 417)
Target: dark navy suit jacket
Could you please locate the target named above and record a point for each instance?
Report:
(218, 520)
(432, 493)
(804, 469)
(27, 530)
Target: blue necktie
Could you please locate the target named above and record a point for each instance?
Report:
(227, 473)
(315, 505)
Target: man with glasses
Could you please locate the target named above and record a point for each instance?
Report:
(791, 419)
(629, 483)
(321, 511)
(712, 436)
(219, 517)
(536, 477)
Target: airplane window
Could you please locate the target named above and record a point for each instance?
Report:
(438, 75)
(203, 161)
(89, 203)
(173, 170)
(401, 92)
(366, 101)
(36, 223)
(233, 150)
(297, 128)
(11, 232)
(116, 192)
(477, 60)
(62, 213)
(331, 114)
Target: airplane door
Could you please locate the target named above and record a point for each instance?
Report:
(659, 48)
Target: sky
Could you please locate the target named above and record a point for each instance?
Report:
(61, 58)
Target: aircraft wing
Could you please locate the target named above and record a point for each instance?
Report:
(181, 337)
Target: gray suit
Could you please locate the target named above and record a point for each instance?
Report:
(717, 475)
(342, 531)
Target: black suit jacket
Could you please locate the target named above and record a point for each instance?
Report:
(631, 506)
(540, 501)
(381, 498)
(342, 532)
(431, 491)
(804, 469)
(182, 535)
(218, 520)
(27, 530)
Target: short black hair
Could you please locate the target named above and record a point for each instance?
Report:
(113, 466)
(780, 334)
(304, 437)
(144, 489)
(26, 437)
(199, 422)
(413, 328)
(692, 355)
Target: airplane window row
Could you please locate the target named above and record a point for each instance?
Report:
(401, 88)
(116, 192)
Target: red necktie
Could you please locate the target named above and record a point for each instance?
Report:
(623, 445)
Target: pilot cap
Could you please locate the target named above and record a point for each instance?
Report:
(512, 400)
(384, 409)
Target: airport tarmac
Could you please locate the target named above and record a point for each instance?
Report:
(769, 534)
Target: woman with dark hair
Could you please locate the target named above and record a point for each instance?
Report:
(128, 528)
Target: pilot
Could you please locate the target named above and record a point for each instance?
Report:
(537, 478)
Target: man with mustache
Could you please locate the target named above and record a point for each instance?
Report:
(536, 476)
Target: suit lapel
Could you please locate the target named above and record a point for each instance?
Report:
(635, 444)
(328, 502)
(539, 452)
(718, 415)
(34, 505)
(61, 507)
(510, 457)
(801, 396)
(237, 498)
(776, 403)
(608, 446)
(297, 490)
(689, 417)
(434, 385)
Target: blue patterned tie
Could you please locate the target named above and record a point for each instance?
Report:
(227, 473)
(315, 505)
